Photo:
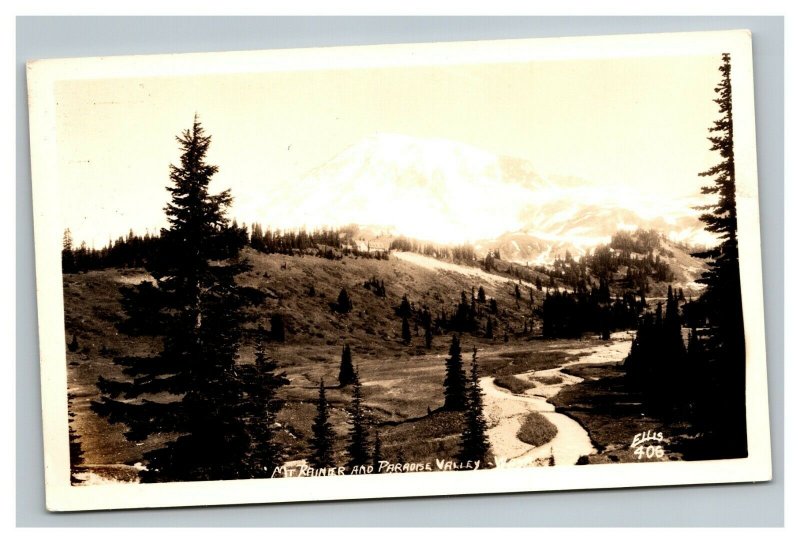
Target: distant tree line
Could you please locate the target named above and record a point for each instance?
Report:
(464, 253)
(131, 251)
(589, 306)
(134, 250)
(572, 314)
(639, 253)
(474, 314)
(330, 243)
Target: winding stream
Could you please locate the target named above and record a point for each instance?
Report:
(505, 410)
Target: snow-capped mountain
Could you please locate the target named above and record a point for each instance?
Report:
(428, 189)
(450, 192)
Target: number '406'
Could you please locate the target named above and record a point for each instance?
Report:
(651, 451)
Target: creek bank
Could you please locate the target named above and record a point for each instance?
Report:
(506, 411)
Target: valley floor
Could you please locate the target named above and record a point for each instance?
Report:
(575, 384)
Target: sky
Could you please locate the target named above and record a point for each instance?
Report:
(633, 124)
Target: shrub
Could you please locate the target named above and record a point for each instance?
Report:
(536, 430)
(513, 383)
(549, 379)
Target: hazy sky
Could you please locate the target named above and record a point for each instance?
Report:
(637, 123)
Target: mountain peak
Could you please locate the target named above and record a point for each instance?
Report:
(423, 187)
(452, 192)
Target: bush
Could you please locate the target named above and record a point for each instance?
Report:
(536, 430)
(513, 383)
(549, 379)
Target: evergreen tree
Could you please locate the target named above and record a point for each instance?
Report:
(428, 337)
(406, 331)
(481, 295)
(322, 434)
(474, 442)
(488, 262)
(404, 310)
(343, 303)
(357, 452)
(197, 308)
(489, 329)
(722, 299)
(455, 380)
(67, 255)
(377, 453)
(263, 381)
(278, 328)
(76, 458)
(347, 374)
(657, 364)
(257, 238)
(697, 362)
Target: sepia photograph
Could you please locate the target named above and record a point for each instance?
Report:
(400, 270)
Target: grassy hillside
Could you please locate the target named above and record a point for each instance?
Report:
(402, 384)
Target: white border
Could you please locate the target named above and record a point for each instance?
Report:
(61, 496)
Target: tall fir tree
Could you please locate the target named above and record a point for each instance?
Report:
(672, 330)
(455, 380)
(357, 448)
(322, 434)
(196, 307)
(347, 374)
(406, 331)
(724, 345)
(474, 444)
(428, 337)
(263, 380)
(404, 309)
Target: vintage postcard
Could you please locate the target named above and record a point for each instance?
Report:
(402, 270)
